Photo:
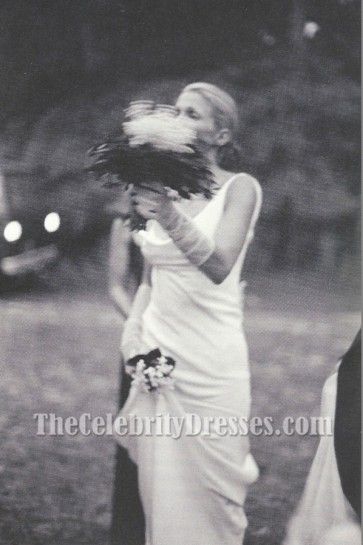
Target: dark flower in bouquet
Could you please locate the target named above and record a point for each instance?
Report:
(155, 145)
(151, 371)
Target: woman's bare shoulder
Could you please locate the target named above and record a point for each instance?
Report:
(117, 224)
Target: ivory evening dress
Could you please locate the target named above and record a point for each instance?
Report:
(193, 488)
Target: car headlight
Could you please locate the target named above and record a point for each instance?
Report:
(13, 231)
(52, 222)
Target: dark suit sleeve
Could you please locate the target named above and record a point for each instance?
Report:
(128, 524)
(347, 428)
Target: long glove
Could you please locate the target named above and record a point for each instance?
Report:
(131, 343)
(195, 245)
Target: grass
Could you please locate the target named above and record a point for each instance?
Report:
(59, 353)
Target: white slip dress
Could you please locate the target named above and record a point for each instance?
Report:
(193, 487)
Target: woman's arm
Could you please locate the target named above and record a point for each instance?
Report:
(119, 267)
(241, 200)
(131, 343)
(131, 310)
(214, 257)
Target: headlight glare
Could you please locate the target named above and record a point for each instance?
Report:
(52, 222)
(13, 231)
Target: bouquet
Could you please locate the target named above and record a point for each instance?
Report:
(151, 371)
(154, 145)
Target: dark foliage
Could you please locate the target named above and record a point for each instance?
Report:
(66, 46)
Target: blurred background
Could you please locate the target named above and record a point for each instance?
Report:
(68, 70)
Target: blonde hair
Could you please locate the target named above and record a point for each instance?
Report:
(226, 114)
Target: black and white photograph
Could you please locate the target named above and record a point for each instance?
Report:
(180, 272)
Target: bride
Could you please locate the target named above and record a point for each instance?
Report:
(189, 305)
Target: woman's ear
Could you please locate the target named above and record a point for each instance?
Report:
(223, 137)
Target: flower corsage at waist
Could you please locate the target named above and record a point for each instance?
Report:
(151, 371)
(154, 145)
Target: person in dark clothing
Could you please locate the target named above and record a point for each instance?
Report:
(347, 426)
(128, 525)
(128, 522)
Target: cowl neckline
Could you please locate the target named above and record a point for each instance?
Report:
(155, 233)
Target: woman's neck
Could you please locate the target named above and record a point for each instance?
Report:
(219, 174)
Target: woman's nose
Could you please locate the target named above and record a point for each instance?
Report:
(186, 119)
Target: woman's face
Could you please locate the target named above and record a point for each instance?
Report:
(198, 114)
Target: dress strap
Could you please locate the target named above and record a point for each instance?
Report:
(258, 191)
(258, 204)
(255, 213)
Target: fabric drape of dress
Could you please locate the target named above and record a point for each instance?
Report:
(193, 488)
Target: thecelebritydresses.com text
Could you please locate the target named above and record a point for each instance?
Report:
(50, 424)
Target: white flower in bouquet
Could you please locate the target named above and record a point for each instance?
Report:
(165, 368)
(160, 130)
(140, 366)
(150, 372)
